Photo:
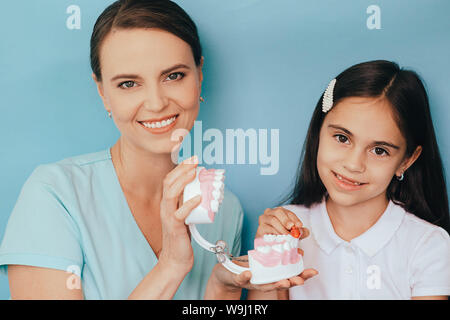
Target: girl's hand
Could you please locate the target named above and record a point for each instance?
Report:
(176, 252)
(279, 221)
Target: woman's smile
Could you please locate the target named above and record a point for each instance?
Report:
(161, 125)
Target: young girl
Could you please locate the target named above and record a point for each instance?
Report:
(371, 192)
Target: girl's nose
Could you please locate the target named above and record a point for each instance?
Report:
(355, 161)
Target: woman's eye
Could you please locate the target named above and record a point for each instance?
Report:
(380, 151)
(127, 84)
(341, 138)
(175, 76)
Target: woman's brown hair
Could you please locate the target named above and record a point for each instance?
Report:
(129, 14)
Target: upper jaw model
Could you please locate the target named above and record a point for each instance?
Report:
(209, 184)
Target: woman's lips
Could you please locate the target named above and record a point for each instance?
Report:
(347, 183)
(161, 125)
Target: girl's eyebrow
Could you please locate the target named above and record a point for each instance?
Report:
(135, 76)
(378, 143)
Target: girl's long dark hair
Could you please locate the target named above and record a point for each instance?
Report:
(423, 191)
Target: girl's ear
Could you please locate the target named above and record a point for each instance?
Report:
(409, 161)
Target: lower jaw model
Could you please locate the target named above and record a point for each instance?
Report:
(274, 258)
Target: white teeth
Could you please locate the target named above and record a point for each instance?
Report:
(269, 237)
(278, 247)
(214, 205)
(218, 184)
(158, 124)
(342, 179)
(216, 194)
(286, 246)
(263, 249)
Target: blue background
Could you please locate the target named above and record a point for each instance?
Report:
(266, 64)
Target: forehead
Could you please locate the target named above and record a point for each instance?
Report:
(134, 50)
(367, 118)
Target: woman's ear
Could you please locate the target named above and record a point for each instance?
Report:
(200, 70)
(100, 90)
(409, 161)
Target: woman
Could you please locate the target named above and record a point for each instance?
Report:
(113, 218)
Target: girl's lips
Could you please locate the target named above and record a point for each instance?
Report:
(346, 183)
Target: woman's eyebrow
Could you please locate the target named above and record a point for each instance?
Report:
(125, 76)
(135, 76)
(378, 143)
(177, 66)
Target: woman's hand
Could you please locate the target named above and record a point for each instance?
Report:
(176, 252)
(224, 284)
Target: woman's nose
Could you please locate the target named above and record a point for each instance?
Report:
(355, 160)
(155, 98)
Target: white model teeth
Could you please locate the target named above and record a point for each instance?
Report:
(269, 237)
(278, 248)
(289, 242)
(159, 124)
(263, 249)
(218, 185)
(214, 205)
(342, 179)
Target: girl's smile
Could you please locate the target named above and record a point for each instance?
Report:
(346, 183)
(361, 148)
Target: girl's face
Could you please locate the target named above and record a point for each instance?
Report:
(360, 150)
(151, 85)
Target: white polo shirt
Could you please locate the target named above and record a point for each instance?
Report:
(399, 257)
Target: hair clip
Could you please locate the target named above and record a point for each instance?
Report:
(327, 101)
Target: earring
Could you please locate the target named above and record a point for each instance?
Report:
(109, 114)
(401, 177)
(201, 99)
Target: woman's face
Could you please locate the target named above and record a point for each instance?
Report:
(151, 85)
(360, 150)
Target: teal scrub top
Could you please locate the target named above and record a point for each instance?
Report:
(72, 215)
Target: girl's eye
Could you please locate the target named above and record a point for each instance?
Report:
(127, 84)
(380, 151)
(175, 76)
(341, 138)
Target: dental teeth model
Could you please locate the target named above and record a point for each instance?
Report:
(275, 257)
(209, 184)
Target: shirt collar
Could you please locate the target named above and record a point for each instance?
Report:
(370, 242)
